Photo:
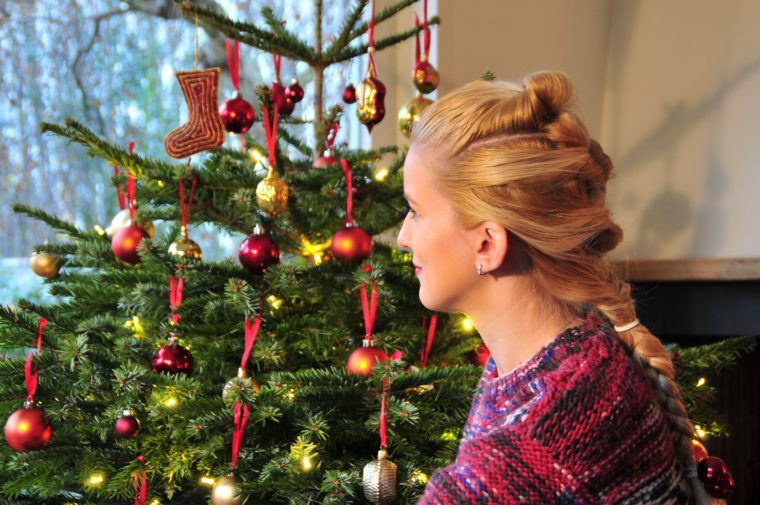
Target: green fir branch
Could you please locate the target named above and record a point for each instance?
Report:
(349, 22)
(51, 220)
(351, 52)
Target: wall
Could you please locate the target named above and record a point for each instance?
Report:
(669, 89)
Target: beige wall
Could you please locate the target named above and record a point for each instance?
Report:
(670, 88)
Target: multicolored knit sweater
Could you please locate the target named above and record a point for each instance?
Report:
(576, 424)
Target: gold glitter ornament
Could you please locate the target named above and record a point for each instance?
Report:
(226, 491)
(45, 264)
(236, 387)
(379, 479)
(410, 113)
(184, 247)
(272, 194)
(370, 95)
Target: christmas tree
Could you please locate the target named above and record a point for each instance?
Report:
(163, 378)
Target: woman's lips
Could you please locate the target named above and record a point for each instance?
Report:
(417, 270)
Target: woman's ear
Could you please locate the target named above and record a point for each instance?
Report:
(492, 243)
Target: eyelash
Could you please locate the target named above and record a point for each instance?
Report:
(412, 212)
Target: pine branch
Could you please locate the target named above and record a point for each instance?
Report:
(53, 221)
(381, 16)
(287, 45)
(344, 37)
(278, 28)
(353, 51)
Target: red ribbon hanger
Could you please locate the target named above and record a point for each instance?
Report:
(384, 413)
(251, 330)
(233, 61)
(141, 482)
(429, 342)
(131, 184)
(175, 297)
(349, 191)
(369, 309)
(120, 196)
(330, 133)
(270, 130)
(241, 412)
(371, 42)
(30, 375)
(277, 65)
(185, 209)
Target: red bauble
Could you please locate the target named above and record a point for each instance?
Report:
(237, 114)
(699, 450)
(173, 358)
(125, 241)
(349, 94)
(294, 92)
(482, 355)
(425, 77)
(258, 251)
(284, 104)
(127, 426)
(28, 429)
(364, 358)
(351, 244)
(327, 159)
(715, 476)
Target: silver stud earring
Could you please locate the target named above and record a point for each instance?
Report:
(480, 269)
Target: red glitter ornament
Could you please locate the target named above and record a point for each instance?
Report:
(28, 429)
(258, 251)
(351, 243)
(127, 426)
(715, 476)
(425, 77)
(349, 94)
(326, 160)
(237, 114)
(482, 355)
(294, 92)
(284, 104)
(361, 361)
(125, 241)
(173, 358)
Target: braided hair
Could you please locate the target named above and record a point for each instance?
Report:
(513, 153)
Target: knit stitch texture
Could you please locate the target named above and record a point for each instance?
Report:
(578, 423)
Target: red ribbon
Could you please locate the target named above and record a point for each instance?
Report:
(119, 193)
(141, 482)
(349, 191)
(271, 133)
(131, 185)
(427, 30)
(384, 414)
(31, 375)
(417, 40)
(369, 309)
(233, 61)
(185, 209)
(250, 338)
(277, 65)
(330, 133)
(240, 419)
(371, 42)
(429, 342)
(175, 297)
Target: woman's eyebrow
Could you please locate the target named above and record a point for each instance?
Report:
(409, 198)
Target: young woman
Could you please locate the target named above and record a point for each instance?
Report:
(508, 224)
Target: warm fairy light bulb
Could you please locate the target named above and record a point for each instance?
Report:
(699, 431)
(381, 174)
(467, 324)
(291, 395)
(418, 477)
(155, 501)
(275, 302)
(136, 326)
(448, 436)
(318, 259)
(255, 155)
(207, 481)
(306, 463)
(701, 382)
(96, 479)
(99, 229)
(171, 402)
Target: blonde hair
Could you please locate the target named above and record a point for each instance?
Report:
(512, 152)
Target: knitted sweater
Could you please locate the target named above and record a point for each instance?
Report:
(578, 423)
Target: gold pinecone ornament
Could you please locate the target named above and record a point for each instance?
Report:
(272, 194)
(379, 479)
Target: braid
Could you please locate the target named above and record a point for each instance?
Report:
(649, 353)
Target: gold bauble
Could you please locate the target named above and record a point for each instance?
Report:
(379, 479)
(272, 194)
(226, 491)
(122, 220)
(45, 264)
(185, 248)
(410, 113)
(235, 388)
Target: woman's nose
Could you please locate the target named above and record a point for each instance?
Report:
(403, 239)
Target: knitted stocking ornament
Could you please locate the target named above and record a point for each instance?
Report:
(204, 129)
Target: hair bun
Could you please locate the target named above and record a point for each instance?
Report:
(600, 158)
(605, 241)
(549, 93)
